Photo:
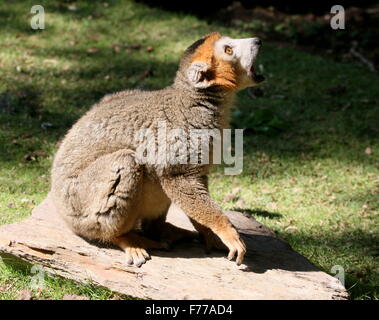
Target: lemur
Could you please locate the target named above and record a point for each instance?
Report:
(104, 193)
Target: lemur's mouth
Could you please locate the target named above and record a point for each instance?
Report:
(255, 76)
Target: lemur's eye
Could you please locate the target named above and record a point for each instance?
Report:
(228, 50)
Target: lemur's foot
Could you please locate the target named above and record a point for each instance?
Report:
(135, 247)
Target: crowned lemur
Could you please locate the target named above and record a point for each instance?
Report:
(103, 192)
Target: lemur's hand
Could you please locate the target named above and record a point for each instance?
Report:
(230, 237)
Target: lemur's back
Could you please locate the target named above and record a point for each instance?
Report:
(107, 127)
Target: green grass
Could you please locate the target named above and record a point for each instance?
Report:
(306, 173)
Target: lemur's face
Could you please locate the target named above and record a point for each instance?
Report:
(224, 62)
(242, 54)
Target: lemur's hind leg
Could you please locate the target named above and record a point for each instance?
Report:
(104, 202)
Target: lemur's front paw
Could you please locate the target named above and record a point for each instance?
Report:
(235, 244)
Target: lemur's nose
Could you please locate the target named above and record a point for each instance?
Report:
(257, 41)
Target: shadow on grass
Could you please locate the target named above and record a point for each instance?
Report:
(197, 6)
(259, 213)
(355, 251)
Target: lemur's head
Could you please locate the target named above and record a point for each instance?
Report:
(216, 61)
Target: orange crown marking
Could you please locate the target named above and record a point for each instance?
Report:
(204, 52)
(221, 72)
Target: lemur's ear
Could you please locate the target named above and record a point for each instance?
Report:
(197, 74)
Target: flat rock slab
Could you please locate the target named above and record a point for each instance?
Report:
(271, 270)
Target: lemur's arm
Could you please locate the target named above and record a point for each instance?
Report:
(191, 195)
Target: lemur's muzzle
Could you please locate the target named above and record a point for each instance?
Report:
(256, 44)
